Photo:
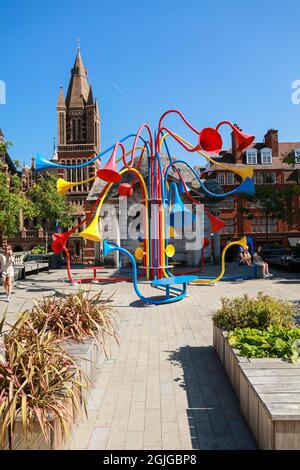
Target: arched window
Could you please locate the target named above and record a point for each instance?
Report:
(96, 135)
(61, 128)
(73, 129)
(78, 136)
(79, 175)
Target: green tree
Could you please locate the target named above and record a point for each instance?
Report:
(272, 202)
(50, 206)
(12, 201)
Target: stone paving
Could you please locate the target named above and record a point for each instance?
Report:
(163, 387)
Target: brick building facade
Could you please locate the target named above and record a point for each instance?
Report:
(266, 158)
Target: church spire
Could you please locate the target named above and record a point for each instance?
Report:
(78, 90)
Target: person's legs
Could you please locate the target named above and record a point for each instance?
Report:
(263, 267)
(266, 267)
(5, 284)
(9, 286)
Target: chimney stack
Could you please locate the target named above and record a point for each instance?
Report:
(271, 141)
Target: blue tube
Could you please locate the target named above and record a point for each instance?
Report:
(247, 185)
(111, 246)
(42, 164)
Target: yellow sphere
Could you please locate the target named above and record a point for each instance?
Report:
(170, 250)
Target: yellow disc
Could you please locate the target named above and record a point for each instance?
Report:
(139, 253)
(170, 250)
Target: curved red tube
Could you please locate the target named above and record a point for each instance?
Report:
(143, 126)
(157, 144)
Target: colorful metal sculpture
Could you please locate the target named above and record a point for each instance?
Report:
(162, 201)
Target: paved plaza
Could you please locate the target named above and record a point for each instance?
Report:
(163, 387)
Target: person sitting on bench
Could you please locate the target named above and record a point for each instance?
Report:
(245, 257)
(258, 261)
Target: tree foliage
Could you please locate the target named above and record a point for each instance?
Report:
(42, 201)
(274, 203)
(49, 205)
(12, 201)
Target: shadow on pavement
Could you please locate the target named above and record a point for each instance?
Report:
(213, 412)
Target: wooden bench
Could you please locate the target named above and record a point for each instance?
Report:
(269, 394)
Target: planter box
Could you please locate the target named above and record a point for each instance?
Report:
(269, 394)
(36, 441)
(86, 355)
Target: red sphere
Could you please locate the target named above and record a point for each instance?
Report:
(125, 189)
(210, 140)
(57, 246)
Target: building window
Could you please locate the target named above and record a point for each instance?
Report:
(258, 178)
(230, 178)
(273, 177)
(227, 203)
(259, 225)
(254, 205)
(221, 178)
(229, 226)
(266, 156)
(61, 128)
(78, 137)
(297, 155)
(251, 157)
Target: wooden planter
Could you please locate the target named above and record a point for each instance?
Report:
(269, 394)
(36, 440)
(86, 356)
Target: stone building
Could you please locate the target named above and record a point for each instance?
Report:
(115, 227)
(78, 139)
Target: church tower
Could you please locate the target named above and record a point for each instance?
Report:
(78, 140)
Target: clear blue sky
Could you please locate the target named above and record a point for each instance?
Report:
(213, 60)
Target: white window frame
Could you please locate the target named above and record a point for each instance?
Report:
(266, 154)
(229, 227)
(273, 175)
(249, 157)
(259, 180)
(230, 178)
(221, 178)
(258, 225)
(297, 155)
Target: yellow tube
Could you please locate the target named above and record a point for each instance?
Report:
(143, 184)
(242, 242)
(64, 185)
(246, 171)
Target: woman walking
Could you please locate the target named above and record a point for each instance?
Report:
(7, 268)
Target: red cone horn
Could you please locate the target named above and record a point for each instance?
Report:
(59, 241)
(242, 140)
(210, 140)
(109, 172)
(216, 224)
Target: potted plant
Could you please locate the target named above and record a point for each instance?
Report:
(40, 386)
(82, 323)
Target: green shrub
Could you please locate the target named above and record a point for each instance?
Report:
(275, 341)
(38, 250)
(260, 312)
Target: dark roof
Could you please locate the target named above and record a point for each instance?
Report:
(283, 149)
(186, 174)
